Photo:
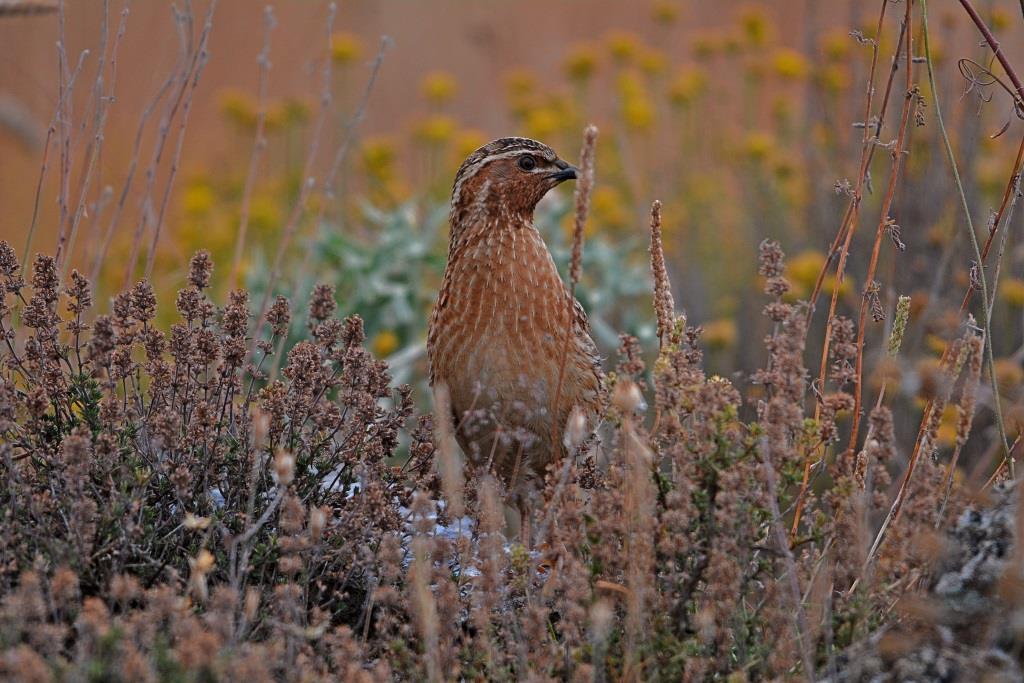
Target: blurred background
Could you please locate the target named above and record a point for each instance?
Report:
(744, 118)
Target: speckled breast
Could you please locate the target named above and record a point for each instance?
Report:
(501, 320)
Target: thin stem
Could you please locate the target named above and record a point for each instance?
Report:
(996, 49)
(263, 60)
(897, 160)
(986, 314)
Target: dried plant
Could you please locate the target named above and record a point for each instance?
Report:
(176, 509)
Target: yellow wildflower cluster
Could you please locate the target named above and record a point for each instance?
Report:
(345, 48)
(438, 87)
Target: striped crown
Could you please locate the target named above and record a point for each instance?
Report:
(502, 148)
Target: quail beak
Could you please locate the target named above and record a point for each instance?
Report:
(564, 172)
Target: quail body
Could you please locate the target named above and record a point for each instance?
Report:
(504, 320)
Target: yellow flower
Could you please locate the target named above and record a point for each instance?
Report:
(238, 107)
(290, 112)
(991, 176)
(782, 110)
(935, 343)
(541, 122)
(720, 334)
(295, 111)
(755, 25)
(379, 157)
(467, 142)
(609, 207)
(623, 46)
(732, 44)
(438, 87)
(803, 268)
(687, 86)
(638, 112)
(198, 199)
(835, 44)
(637, 109)
(946, 435)
(264, 213)
(834, 78)
(652, 62)
(665, 12)
(275, 117)
(628, 84)
(384, 343)
(436, 129)
(1000, 19)
(345, 48)
(1012, 290)
(520, 83)
(758, 145)
(1009, 373)
(789, 64)
(706, 45)
(784, 168)
(581, 63)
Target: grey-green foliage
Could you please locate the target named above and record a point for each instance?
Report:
(389, 268)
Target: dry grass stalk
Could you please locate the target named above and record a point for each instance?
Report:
(584, 187)
(966, 407)
(664, 304)
(259, 144)
(848, 225)
(450, 463)
(308, 182)
(639, 509)
(341, 153)
(187, 57)
(147, 112)
(198, 63)
(884, 211)
(850, 221)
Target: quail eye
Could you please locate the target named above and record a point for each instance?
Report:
(527, 162)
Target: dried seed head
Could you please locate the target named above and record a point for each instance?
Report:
(44, 274)
(284, 467)
(317, 520)
(193, 522)
(203, 562)
(770, 259)
(80, 293)
(252, 603)
(201, 566)
(200, 269)
(899, 325)
(871, 292)
(969, 396)
(584, 185)
(9, 266)
(279, 316)
(664, 304)
(321, 304)
(575, 429)
(143, 301)
(628, 399)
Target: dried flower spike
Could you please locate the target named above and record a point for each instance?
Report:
(899, 325)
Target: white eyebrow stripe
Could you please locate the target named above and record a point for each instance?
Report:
(474, 168)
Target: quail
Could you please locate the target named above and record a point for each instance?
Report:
(506, 336)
